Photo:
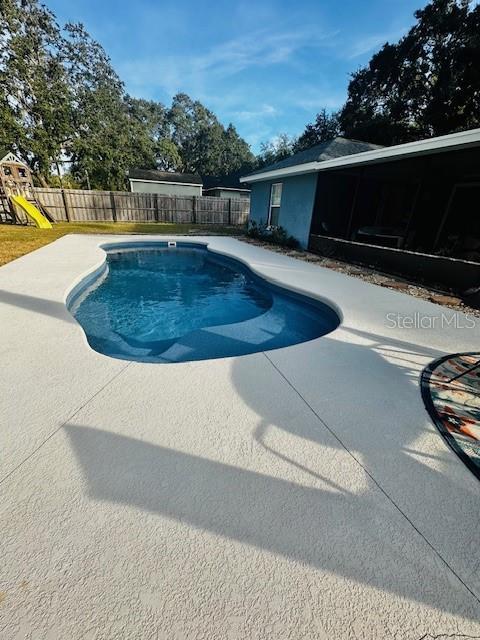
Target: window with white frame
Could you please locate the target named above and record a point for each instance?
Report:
(275, 201)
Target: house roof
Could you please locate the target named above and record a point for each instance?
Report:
(152, 175)
(227, 181)
(450, 142)
(335, 148)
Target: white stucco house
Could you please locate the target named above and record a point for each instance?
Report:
(166, 183)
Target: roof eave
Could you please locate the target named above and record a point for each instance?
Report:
(307, 167)
(186, 184)
(440, 144)
(225, 189)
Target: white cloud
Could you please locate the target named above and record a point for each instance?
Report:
(316, 101)
(253, 114)
(193, 73)
(372, 42)
(218, 75)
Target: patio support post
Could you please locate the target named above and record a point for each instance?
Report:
(416, 199)
(444, 217)
(354, 203)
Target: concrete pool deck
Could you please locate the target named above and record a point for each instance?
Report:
(297, 493)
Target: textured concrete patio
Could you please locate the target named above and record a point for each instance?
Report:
(298, 493)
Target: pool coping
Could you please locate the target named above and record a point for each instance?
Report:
(92, 274)
(95, 278)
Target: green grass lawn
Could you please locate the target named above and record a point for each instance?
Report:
(16, 240)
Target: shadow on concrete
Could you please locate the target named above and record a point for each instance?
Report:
(369, 396)
(50, 308)
(356, 536)
(406, 347)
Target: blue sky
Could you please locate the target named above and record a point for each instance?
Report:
(266, 66)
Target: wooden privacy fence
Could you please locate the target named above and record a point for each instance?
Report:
(75, 205)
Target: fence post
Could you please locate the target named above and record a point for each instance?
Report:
(66, 206)
(80, 204)
(194, 210)
(114, 209)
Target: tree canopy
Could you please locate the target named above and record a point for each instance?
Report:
(325, 127)
(62, 103)
(35, 113)
(275, 150)
(427, 84)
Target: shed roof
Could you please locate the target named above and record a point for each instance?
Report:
(152, 175)
(439, 144)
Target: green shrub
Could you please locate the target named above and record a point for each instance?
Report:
(275, 235)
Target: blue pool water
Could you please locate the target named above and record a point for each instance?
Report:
(160, 304)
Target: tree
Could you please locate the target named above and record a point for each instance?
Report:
(146, 121)
(168, 156)
(35, 109)
(66, 181)
(275, 150)
(61, 101)
(325, 127)
(108, 139)
(204, 144)
(237, 155)
(425, 85)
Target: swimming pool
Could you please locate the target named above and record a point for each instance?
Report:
(155, 303)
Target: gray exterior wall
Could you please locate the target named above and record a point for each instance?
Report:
(259, 201)
(298, 198)
(165, 188)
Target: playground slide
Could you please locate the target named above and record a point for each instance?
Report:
(32, 212)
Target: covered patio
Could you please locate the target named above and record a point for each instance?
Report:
(411, 210)
(428, 204)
